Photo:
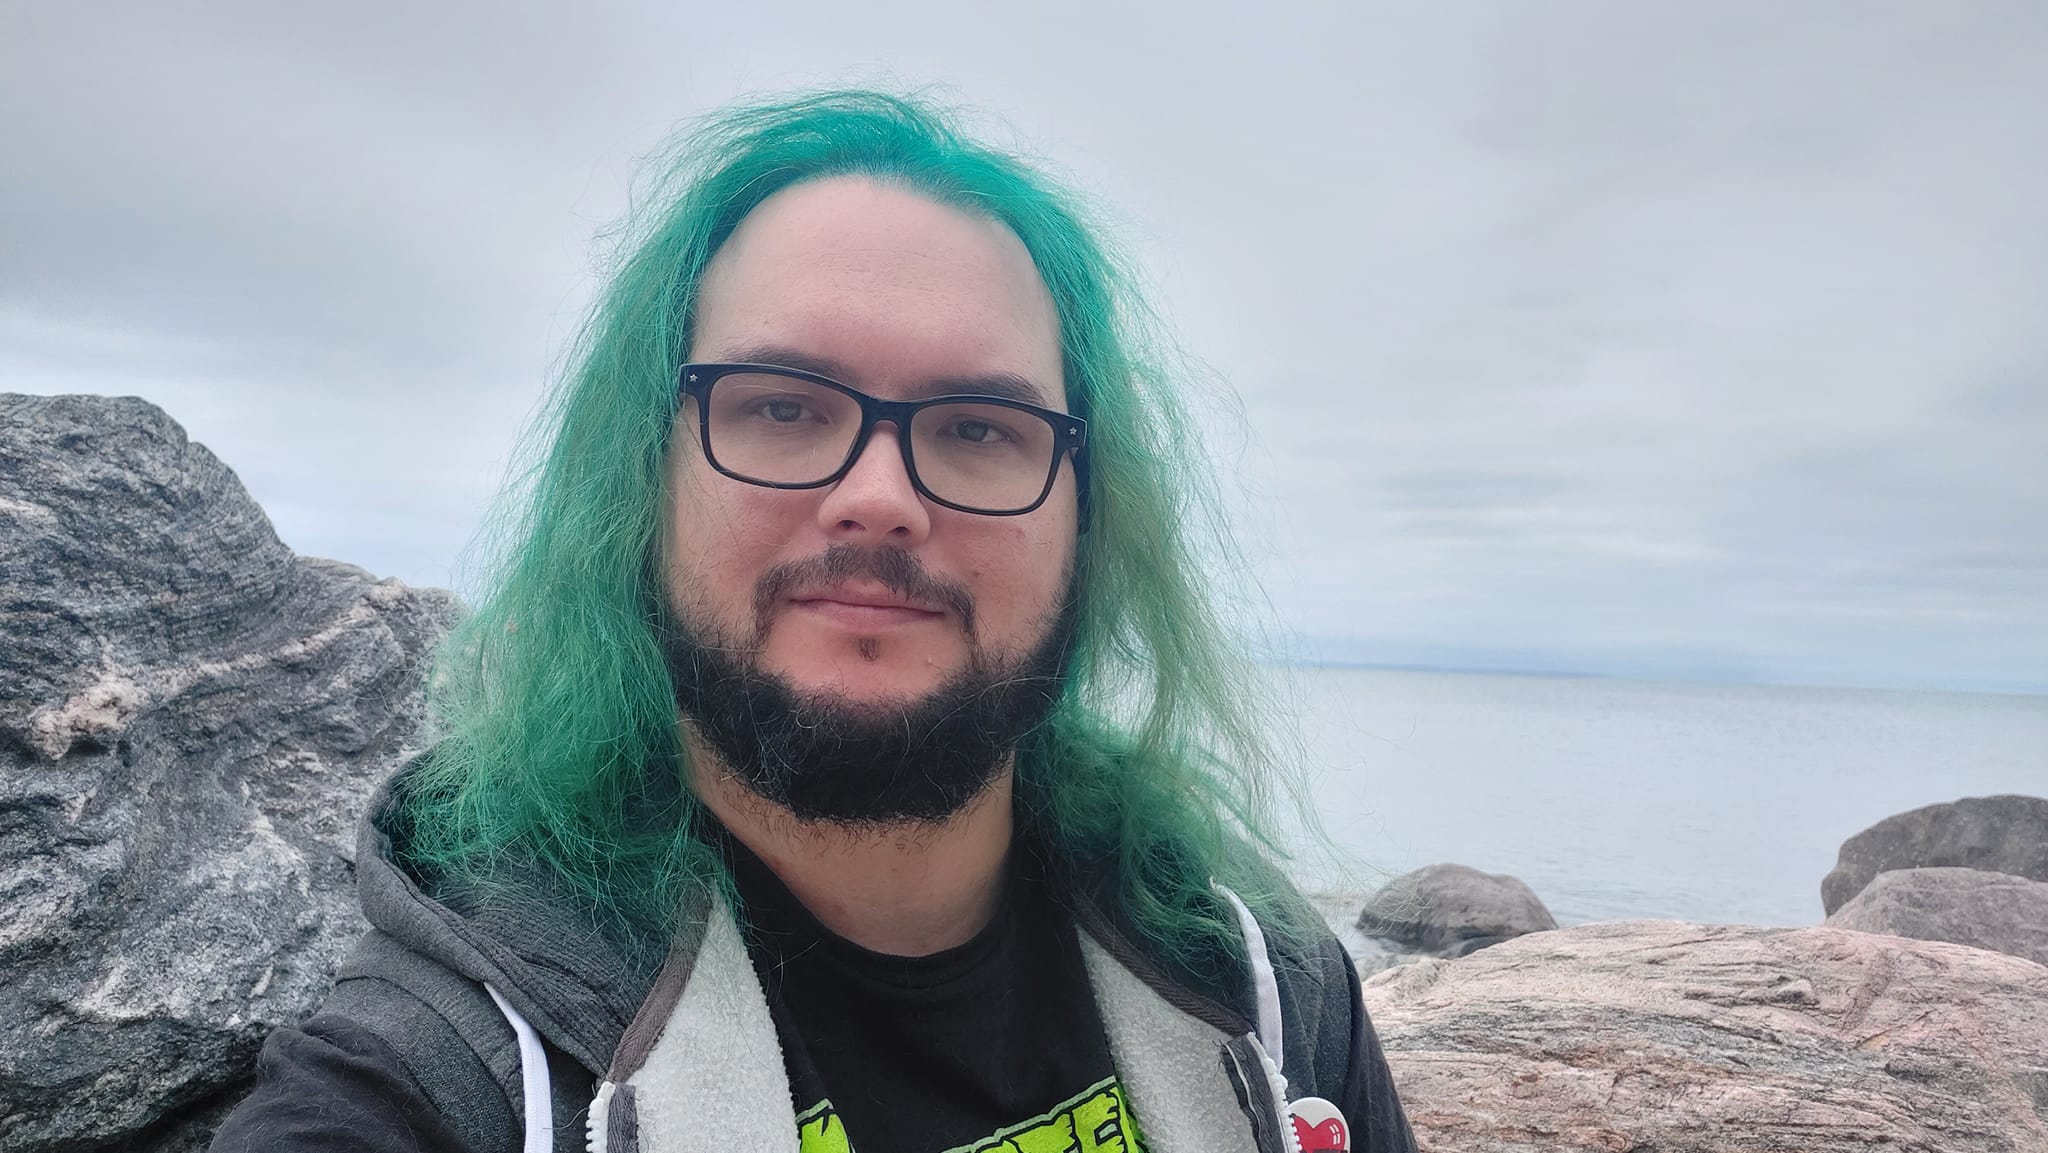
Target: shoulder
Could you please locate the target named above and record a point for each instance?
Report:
(1331, 1048)
(441, 1028)
(332, 1083)
(403, 1049)
(1333, 1051)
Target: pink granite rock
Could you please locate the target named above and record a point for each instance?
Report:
(1667, 1036)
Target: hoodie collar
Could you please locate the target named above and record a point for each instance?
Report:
(580, 976)
(576, 974)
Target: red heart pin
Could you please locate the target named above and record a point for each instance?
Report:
(1319, 1127)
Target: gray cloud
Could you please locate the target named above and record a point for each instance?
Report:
(1613, 337)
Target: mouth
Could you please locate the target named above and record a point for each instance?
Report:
(859, 607)
(862, 591)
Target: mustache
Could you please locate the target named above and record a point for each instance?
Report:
(893, 568)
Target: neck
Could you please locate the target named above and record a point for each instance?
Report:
(907, 891)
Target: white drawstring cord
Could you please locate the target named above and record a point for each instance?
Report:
(533, 1079)
(1266, 1042)
(1264, 984)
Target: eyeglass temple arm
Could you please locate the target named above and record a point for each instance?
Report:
(1081, 491)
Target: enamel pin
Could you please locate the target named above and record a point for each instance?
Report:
(1319, 1127)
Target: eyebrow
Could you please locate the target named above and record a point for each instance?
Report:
(1007, 385)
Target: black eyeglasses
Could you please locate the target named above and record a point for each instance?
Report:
(786, 428)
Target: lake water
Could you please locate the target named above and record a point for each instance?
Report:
(1617, 799)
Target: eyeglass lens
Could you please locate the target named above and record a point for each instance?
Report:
(782, 430)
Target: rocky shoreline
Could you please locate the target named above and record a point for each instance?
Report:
(191, 717)
(1667, 1036)
(1915, 1017)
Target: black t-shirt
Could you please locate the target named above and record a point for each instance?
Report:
(995, 1041)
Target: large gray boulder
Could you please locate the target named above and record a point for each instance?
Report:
(1681, 1038)
(1450, 910)
(1995, 911)
(191, 718)
(2002, 834)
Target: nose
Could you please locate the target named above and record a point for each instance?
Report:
(875, 501)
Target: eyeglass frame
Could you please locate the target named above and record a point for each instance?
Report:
(1070, 432)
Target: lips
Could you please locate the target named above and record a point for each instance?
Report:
(864, 588)
(861, 607)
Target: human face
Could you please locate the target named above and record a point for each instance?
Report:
(901, 297)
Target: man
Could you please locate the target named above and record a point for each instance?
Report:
(847, 759)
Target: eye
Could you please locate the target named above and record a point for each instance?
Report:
(783, 409)
(979, 431)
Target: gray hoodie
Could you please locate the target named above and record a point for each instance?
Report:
(527, 1020)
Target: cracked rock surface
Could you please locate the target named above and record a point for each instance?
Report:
(191, 717)
(1682, 1038)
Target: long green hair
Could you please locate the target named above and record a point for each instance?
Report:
(558, 740)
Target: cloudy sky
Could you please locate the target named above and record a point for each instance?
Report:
(1697, 340)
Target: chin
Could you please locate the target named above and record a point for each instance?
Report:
(858, 682)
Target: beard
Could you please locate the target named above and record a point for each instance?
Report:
(826, 758)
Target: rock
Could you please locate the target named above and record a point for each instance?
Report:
(1679, 1038)
(191, 718)
(2004, 834)
(1379, 961)
(1450, 910)
(1371, 955)
(1995, 911)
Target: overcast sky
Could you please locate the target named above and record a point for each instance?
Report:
(1703, 340)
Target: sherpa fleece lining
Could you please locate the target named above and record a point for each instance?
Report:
(714, 1081)
(1170, 1064)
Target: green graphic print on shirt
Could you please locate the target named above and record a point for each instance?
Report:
(1097, 1120)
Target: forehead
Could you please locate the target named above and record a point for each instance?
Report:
(893, 289)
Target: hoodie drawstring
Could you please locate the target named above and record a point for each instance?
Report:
(1267, 1040)
(533, 1079)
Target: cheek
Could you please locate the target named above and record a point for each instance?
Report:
(1020, 574)
(723, 537)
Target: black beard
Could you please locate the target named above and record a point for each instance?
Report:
(827, 759)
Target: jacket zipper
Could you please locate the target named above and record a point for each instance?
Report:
(1257, 1094)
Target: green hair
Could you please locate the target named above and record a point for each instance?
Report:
(558, 737)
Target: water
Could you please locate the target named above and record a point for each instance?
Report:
(1617, 799)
